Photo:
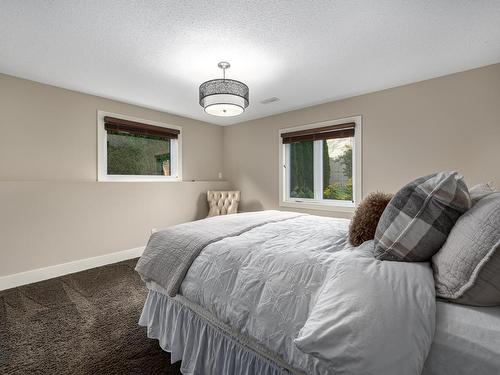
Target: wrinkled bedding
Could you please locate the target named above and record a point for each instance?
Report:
(170, 252)
(277, 283)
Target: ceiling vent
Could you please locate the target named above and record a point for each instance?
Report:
(270, 100)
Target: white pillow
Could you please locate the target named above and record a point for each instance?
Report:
(371, 316)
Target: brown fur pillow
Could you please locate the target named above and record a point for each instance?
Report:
(366, 217)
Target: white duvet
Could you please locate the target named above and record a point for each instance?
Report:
(323, 307)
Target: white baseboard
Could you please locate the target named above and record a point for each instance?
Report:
(39, 274)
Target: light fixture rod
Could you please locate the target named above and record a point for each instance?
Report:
(224, 65)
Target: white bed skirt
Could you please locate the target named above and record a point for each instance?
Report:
(202, 347)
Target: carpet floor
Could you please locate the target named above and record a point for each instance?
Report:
(84, 323)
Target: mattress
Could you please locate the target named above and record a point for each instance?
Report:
(466, 341)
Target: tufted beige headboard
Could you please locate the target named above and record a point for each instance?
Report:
(223, 202)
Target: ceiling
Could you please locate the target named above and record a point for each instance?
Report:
(156, 53)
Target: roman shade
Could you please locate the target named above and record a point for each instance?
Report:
(326, 132)
(137, 128)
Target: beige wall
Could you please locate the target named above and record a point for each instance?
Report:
(447, 123)
(52, 210)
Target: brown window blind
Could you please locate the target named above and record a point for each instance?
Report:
(326, 132)
(137, 128)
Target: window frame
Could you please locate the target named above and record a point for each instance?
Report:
(102, 153)
(318, 203)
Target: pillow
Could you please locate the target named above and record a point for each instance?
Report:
(467, 268)
(417, 220)
(364, 222)
(480, 191)
(371, 317)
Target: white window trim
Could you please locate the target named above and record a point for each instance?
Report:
(102, 153)
(320, 204)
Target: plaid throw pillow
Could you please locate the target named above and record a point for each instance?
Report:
(418, 219)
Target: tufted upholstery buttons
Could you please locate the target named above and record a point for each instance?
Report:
(222, 202)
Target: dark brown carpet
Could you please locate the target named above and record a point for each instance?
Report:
(84, 323)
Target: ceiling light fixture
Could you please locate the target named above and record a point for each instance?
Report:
(224, 97)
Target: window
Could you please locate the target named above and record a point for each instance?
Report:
(137, 150)
(321, 165)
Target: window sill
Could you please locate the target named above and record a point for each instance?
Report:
(122, 178)
(337, 206)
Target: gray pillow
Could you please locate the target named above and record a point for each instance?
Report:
(467, 268)
(418, 219)
(480, 191)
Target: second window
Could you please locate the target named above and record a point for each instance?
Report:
(318, 165)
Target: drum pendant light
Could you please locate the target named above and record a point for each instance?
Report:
(224, 97)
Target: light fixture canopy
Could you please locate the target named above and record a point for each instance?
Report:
(224, 97)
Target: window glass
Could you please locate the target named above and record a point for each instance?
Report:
(302, 170)
(130, 154)
(337, 169)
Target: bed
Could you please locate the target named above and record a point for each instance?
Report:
(278, 293)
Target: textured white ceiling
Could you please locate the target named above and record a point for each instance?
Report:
(155, 53)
